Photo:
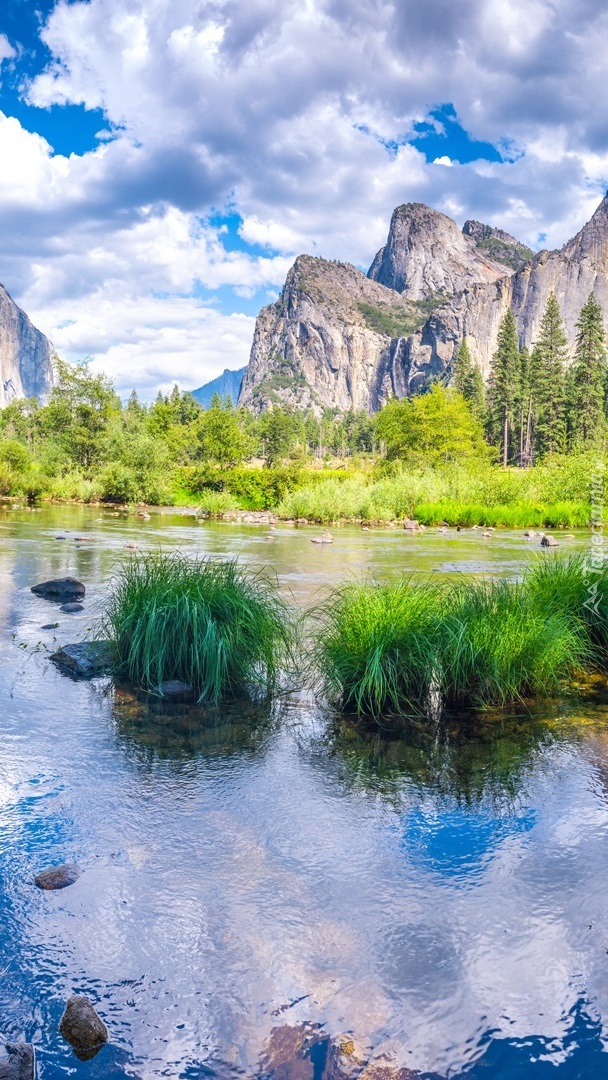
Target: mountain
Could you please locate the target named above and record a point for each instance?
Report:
(339, 339)
(26, 368)
(228, 384)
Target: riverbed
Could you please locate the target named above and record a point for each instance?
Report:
(438, 898)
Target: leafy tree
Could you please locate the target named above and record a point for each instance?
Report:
(220, 437)
(504, 388)
(549, 361)
(79, 411)
(279, 430)
(586, 387)
(433, 428)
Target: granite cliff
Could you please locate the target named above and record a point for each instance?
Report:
(339, 339)
(26, 368)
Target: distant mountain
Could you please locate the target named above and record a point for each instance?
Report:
(228, 384)
(26, 368)
(337, 338)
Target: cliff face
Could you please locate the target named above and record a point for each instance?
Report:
(328, 341)
(341, 340)
(25, 355)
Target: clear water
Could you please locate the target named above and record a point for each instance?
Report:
(443, 896)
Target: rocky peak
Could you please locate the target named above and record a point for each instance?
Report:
(26, 368)
(426, 254)
(591, 243)
(498, 245)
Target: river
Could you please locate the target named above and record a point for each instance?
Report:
(440, 897)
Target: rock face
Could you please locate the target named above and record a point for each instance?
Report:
(20, 1064)
(337, 340)
(26, 368)
(83, 1028)
(328, 340)
(426, 254)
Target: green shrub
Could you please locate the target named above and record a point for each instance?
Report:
(218, 627)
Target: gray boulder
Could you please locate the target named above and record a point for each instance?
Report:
(58, 877)
(21, 1063)
(175, 690)
(72, 607)
(82, 1027)
(548, 541)
(67, 588)
(85, 659)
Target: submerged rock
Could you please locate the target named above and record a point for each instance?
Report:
(50, 626)
(72, 607)
(85, 659)
(20, 1064)
(67, 588)
(58, 877)
(82, 1027)
(175, 690)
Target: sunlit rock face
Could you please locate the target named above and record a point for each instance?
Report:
(26, 368)
(336, 339)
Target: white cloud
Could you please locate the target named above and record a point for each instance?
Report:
(296, 117)
(6, 49)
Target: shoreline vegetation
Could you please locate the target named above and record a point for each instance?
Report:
(521, 452)
(403, 648)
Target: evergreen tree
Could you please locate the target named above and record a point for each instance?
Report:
(588, 377)
(504, 388)
(468, 381)
(551, 354)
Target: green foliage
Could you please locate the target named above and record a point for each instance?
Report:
(468, 381)
(549, 358)
(408, 648)
(374, 646)
(504, 388)
(396, 322)
(587, 419)
(220, 437)
(434, 428)
(513, 255)
(214, 625)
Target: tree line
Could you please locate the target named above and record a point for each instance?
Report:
(536, 402)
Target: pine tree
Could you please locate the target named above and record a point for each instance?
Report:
(588, 377)
(504, 387)
(550, 356)
(468, 380)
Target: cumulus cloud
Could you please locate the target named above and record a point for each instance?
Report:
(296, 117)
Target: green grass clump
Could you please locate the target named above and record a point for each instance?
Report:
(577, 588)
(412, 649)
(517, 515)
(375, 646)
(499, 645)
(214, 625)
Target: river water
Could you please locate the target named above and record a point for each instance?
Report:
(441, 897)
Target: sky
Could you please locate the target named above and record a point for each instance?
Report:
(162, 162)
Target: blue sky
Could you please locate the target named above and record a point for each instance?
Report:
(165, 160)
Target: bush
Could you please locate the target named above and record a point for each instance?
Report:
(222, 629)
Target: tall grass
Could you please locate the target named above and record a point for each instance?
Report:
(497, 646)
(214, 625)
(374, 646)
(411, 649)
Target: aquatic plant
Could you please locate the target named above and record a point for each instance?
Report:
(573, 586)
(374, 646)
(411, 648)
(216, 626)
(497, 644)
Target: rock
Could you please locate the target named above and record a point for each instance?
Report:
(548, 541)
(143, 516)
(132, 546)
(82, 539)
(21, 1063)
(175, 690)
(26, 368)
(530, 533)
(58, 877)
(410, 525)
(82, 1027)
(67, 588)
(85, 659)
(71, 608)
(486, 534)
(50, 626)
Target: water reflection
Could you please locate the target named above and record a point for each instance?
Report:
(262, 887)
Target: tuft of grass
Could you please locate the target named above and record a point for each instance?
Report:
(413, 649)
(374, 646)
(575, 587)
(498, 645)
(214, 625)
